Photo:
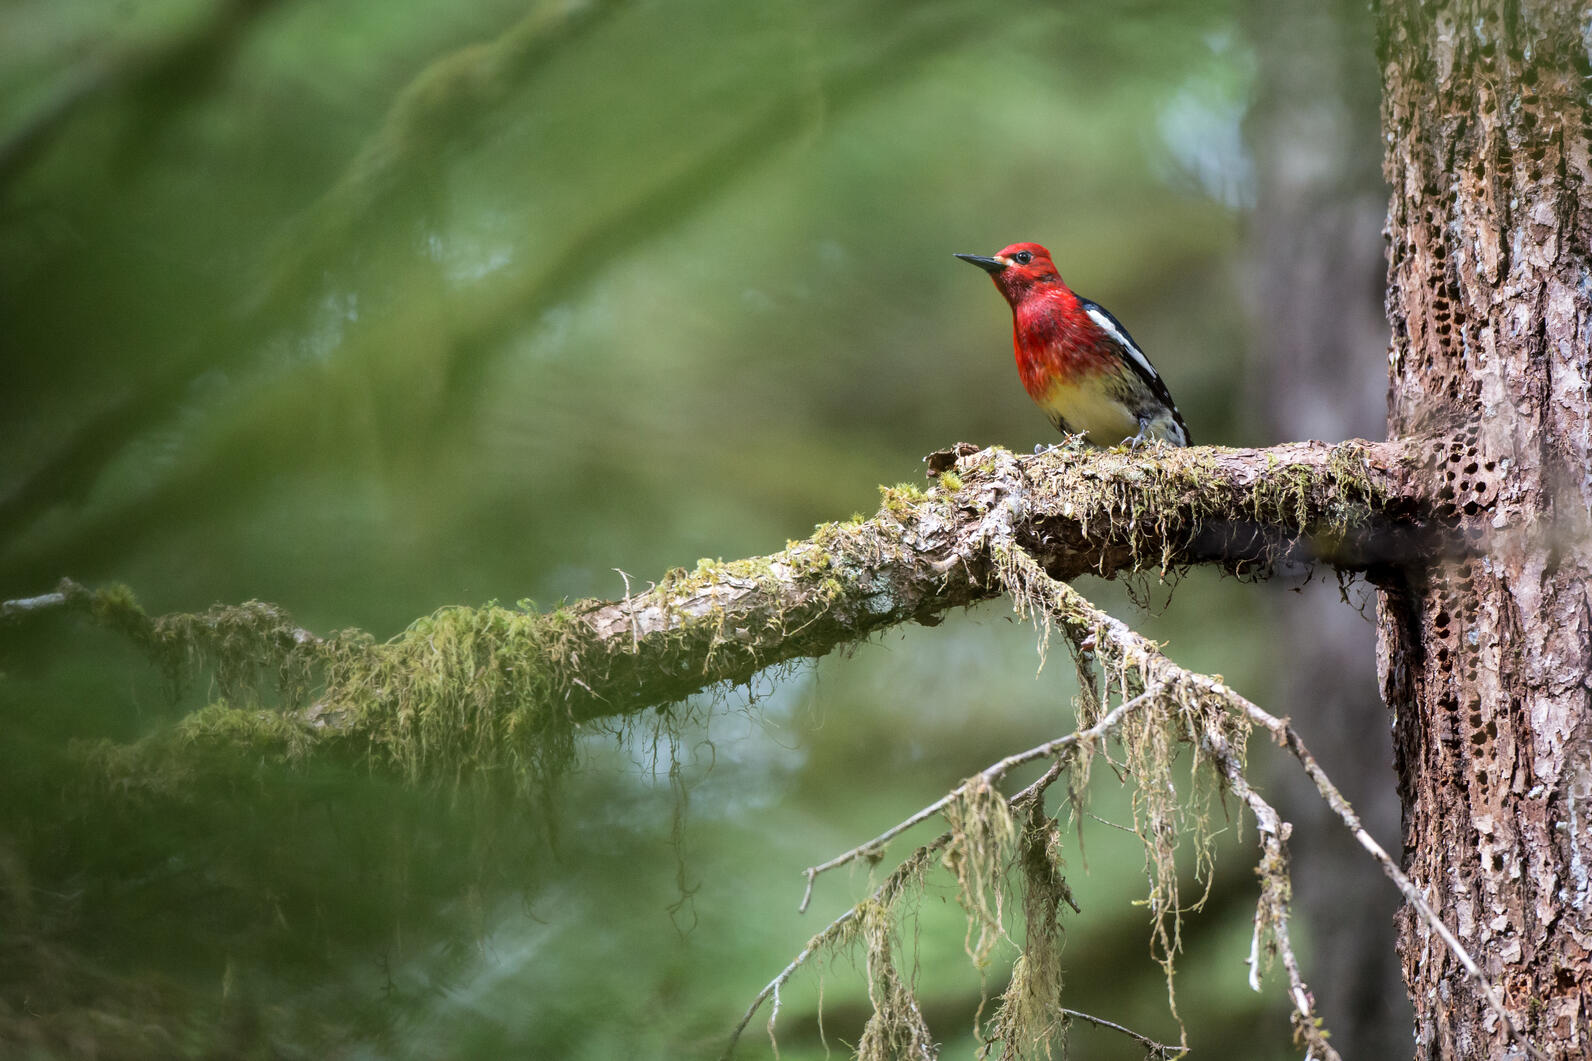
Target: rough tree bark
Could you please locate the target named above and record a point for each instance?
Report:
(1485, 661)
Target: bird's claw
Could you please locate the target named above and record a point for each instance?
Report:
(1133, 445)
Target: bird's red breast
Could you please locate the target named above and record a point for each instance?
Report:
(1055, 340)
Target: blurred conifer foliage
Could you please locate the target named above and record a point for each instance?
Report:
(369, 308)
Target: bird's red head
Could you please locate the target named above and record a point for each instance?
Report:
(1018, 269)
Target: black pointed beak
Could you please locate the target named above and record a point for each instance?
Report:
(989, 265)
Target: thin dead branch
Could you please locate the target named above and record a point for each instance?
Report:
(909, 870)
(1158, 1049)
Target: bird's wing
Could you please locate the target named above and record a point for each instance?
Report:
(1141, 364)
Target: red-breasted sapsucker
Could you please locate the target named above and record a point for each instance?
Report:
(1077, 361)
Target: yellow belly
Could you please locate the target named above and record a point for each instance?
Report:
(1092, 410)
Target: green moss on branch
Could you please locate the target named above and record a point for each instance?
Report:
(501, 692)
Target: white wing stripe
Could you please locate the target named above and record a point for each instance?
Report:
(1108, 326)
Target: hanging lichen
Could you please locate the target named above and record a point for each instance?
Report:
(896, 1030)
(1031, 1018)
(982, 844)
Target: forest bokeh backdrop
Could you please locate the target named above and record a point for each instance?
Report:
(369, 308)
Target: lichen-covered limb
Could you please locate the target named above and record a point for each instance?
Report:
(915, 865)
(926, 552)
(499, 689)
(1032, 588)
(838, 931)
(1271, 933)
(1211, 716)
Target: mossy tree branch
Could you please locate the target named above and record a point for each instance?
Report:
(1355, 505)
(490, 688)
(1160, 707)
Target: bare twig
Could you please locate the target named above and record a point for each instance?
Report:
(15, 609)
(635, 638)
(1158, 1048)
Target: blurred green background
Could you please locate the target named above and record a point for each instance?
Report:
(368, 308)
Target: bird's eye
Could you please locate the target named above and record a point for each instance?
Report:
(1022, 257)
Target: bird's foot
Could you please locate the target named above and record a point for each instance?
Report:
(1143, 439)
(1133, 445)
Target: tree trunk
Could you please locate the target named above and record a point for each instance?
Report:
(1485, 660)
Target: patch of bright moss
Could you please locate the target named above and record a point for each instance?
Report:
(463, 691)
(900, 500)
